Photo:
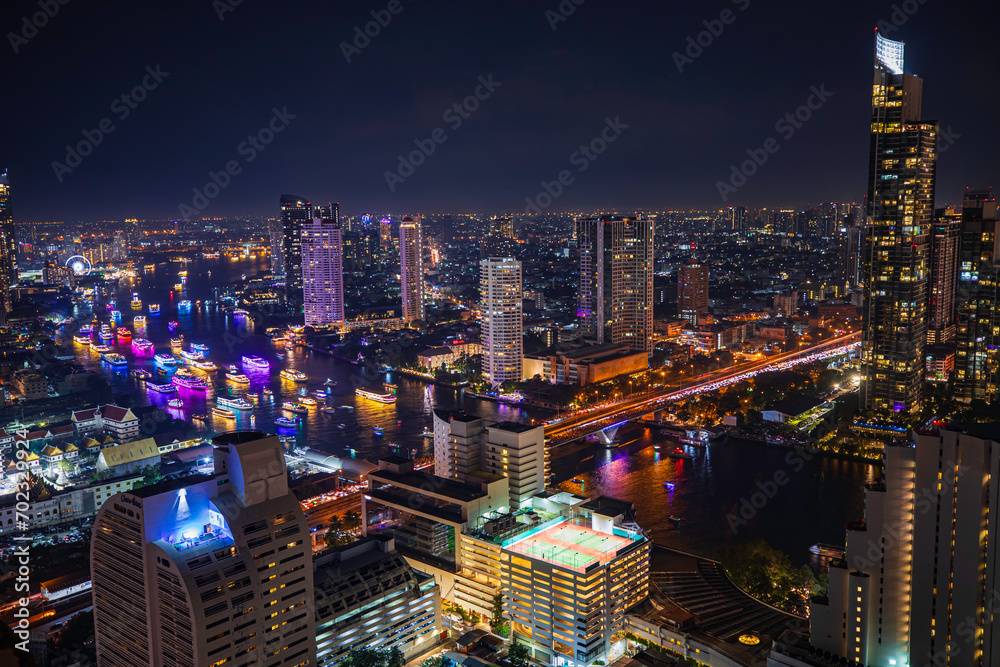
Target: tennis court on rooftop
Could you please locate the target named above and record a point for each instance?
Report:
(568, 545)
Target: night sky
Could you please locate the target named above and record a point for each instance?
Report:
(556, 88)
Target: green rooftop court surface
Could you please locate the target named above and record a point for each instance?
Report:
(569, 545)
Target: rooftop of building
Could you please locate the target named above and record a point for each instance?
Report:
(455, 415)
(422, 482)
(647, 658)
(574, 546)
(579, 352)
(513, 427)
(984, 431)
(168, 485)
(609, 507)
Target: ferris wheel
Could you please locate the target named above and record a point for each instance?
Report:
(80, 265)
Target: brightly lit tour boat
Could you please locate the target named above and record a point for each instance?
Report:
(375, 396)
(114, 359)
(200, 348)
(160, 388)
(253, 361)
(294, 407)
(82, 340)
(142, 347)
(116, 315)
(184, 305)
(141, 374)
(172, 325)
(101, 348)
(154, 309)
(136, 301)
(124, 335)
(175, 403)
(202, 365)
(223, 413)
(286, 422)
(176, 342)
(185, 378)
(306, 400)
(165, 360)
(235, 403)
(139, 320)
(294, 376)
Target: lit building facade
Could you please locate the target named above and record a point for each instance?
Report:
(207, 569)
(567, 583)
(368, 597)
(901, 175)
(8, 248)
(276, 238)
(458, 443)
(616, 280)
(917, 584)
(517, 452)
(692, 292)
(323, 273)
(411, 269)
(978, 329)
(500, 306)
(295, 212)
(946, 235)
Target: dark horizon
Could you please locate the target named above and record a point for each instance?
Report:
(210, 82)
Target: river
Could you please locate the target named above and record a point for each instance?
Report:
(728, 492)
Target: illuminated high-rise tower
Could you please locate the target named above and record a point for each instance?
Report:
(901, 171)
(500, 303)
(692, 292)
(322, 272)
(977, 358)
(616, 279)
(276, 237)
(295, 211)
(207, 569)
(411, 268)
(946, 234)
(8, 248)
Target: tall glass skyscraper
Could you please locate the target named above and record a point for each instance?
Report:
(901, 171)
(978, 331)
(616, 279)
(295, 211)
(322, 272)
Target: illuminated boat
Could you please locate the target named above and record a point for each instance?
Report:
(172, 325)
(266, 391)
(82, 340)
(141, 374)
(101, 348)
(124, 334)
(679, 453)
(238, 378)
(306, 400)
(294, 407)
(154, 309)
(378, 430)
(142, 347)
(136, 301)
(116, 315)
(202, 365)
(294, 376)
(189, 356)
(178, 287)
(329, 411)
(160, 388)
(175, 403)
(200, 348)
(375, 396)
(235, 403)
(86, 329)
(165, 360)
(185, 378)
(258, 363)
(139, 320)
(286, 422)
(239, 312)
(184, 305)
(176, 342)
(223, 413)
(114, 359)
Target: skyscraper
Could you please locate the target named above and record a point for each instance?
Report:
(411, 269)
(978, 326)
(901, 171)
(295, 211)
(616, 279)
(917, 584)
(946, 234)
(851, 240)
(692, 291)
(500, 303)
(322, 273)
(8, 248)
(206, 569)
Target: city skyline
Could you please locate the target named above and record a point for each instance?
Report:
(694, 115)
